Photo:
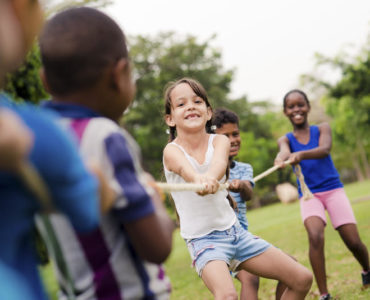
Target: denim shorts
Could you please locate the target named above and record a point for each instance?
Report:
(233, 246)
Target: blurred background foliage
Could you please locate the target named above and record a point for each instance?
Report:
(167, 56)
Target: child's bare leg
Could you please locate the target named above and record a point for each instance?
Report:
(280, 288)
(275, 264)
(249, 285)
(351, 238)
(216, 276)
(315, 229)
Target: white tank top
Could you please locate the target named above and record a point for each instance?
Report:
(200, 215)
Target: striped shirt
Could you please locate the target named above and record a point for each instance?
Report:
(104, 264)
(241, 171)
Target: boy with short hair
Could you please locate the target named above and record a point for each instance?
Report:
(87, 71)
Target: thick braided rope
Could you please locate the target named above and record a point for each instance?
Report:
(192, 187)
(196, 187)
(306, 193)
(33, 181)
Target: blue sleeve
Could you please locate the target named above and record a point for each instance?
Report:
(73, 190)
(247, 173)
(138, 201)
(15, 286)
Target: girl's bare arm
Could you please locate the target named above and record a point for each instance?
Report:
(319, 152)
(175, 161)
(220, 157)
(244, 187)
(284, 151)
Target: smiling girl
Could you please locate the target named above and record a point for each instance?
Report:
(215, 239)
(309, 146)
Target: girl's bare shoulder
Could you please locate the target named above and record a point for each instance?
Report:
(220, 138)
(170, 149)
(283, 139)
(324, 127)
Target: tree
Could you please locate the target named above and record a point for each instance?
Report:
(158, 60)
(347, 101)
(25, 83)
(53, 6)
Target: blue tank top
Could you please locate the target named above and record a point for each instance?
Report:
(319, 174)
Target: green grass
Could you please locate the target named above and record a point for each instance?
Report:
(280, 225)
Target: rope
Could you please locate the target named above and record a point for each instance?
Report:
(306, 193)
(269, 171)
(193, 187)
(196, 187)
(33, 181)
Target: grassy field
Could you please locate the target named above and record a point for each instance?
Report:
(280, 225)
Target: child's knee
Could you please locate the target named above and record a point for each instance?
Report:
(316, 239)
(304, 280)
(229, 294)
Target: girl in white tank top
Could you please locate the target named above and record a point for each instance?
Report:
(200, 215)
(215, 239)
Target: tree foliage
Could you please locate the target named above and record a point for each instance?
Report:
(25, 83)
(347, 101)
(53, 6)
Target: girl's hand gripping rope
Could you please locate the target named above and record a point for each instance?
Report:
(210, 184)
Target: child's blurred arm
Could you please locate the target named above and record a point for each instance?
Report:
(151, 235)
(106, 193)
(16, 140)
(243, 187)
(138, 206)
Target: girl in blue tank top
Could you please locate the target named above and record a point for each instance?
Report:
(309, 146)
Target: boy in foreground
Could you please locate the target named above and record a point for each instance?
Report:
(87, 71)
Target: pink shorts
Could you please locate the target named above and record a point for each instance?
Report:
(335, 202)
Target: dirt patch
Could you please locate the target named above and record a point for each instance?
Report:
(361, 199)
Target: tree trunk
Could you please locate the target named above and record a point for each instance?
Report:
(365, 161)
(256, 203)
(356, 165)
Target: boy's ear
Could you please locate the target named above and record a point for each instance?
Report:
(44, 80)
(169, 121)
(121, 74)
